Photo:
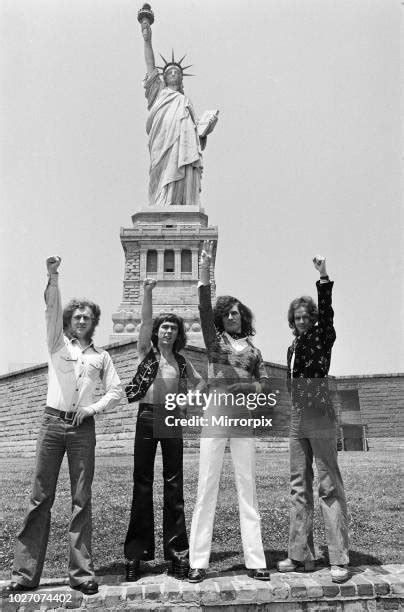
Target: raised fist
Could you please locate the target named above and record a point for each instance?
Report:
(53, 263)
(319, 264)
(206, 253)
(149, 284)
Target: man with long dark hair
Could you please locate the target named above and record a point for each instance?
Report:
(235, 367)
(313, 433)
(162, 370)
(76, 367)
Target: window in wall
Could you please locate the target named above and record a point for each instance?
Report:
(168, 261)
(186, 261)
(151, 261)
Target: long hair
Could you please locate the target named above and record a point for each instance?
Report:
(224, 304)
(80, 303)
(181, 338)
(309, 304)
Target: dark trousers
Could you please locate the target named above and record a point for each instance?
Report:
(55, 439)
(139, 543)
(331, 495)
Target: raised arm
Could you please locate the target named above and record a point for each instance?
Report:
(146, 324)
(53, 301)
(205, 300)
(320, 265)
(325, 310)
(148, 49)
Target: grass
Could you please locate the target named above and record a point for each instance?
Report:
(371, 483)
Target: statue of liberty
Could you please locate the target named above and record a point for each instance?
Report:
(176, 138)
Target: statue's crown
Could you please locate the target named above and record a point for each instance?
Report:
(175, 63)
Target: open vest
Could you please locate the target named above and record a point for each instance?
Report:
(146, 373)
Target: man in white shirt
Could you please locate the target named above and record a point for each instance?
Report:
(76, 367)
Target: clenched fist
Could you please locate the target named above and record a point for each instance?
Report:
(319, 264)
(53, 263)
(149, 284)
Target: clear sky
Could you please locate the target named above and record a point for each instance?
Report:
(305, 159)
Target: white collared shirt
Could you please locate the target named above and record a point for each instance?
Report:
(74, 373)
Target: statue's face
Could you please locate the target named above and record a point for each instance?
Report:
(173, 77)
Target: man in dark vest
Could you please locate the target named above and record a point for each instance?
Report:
(162, 370)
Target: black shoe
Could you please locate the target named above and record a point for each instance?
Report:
(15, 587)
(260, 574)
(88, 588)
(196, 575)
(132, 570)
(180, 568)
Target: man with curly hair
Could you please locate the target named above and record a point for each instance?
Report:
(76, 367)
(313, 433)
(235, 367)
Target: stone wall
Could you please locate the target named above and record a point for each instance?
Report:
(381, 400)
(23, 397)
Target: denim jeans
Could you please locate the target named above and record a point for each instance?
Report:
(331, 495)
(55, 438)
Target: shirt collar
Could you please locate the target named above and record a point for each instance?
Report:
(91, 344)
(236, 341)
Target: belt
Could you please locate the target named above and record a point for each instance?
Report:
(144, 406)
(65, 416)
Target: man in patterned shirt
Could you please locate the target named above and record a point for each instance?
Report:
(235, 366)
(313, 432)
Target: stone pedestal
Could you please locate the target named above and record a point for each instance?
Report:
(164, 243)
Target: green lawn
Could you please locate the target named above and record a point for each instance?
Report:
(371, 482)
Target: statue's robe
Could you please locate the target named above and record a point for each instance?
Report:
(175, 153)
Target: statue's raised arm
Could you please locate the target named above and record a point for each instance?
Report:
(146, 18)
(175, 143)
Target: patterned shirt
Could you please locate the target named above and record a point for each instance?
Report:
(312, 411)
(224, 362)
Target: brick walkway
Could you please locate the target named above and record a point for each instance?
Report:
(370, 588)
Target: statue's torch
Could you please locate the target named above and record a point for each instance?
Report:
(145, 15)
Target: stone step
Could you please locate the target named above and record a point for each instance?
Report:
(369, 588)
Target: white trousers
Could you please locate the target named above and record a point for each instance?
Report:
(210, 467)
